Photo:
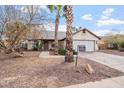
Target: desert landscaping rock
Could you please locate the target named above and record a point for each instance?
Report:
(89, 69)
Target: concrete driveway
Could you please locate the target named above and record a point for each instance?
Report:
(113, 61)
(110, 60)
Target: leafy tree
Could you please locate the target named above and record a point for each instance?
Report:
(16, 23)
(116, 40)
(15, 33)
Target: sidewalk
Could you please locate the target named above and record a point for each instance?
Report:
(117, 82)
(45, 54)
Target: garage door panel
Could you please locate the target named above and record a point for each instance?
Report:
(88, 44)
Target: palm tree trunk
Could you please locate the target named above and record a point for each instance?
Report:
(56, 35)
(69, 40)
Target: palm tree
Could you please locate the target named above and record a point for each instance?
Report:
(69, 42)
(58, 9)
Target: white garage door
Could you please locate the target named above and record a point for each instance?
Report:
(89, 45)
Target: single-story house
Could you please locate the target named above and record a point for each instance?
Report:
(83, 39)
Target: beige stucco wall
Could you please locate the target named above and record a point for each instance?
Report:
(84, 36)
(30, 45)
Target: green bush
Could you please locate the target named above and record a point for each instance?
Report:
(74, 52)
(113, 45)
(63, 51)
(121, 45)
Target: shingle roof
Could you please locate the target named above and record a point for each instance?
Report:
(84, 29)
(50, 35)
(47, 35)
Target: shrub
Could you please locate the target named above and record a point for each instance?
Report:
(121, 45)
(74, 52)
(113, 45)
(62, 51)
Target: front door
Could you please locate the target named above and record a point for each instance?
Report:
(46, 45)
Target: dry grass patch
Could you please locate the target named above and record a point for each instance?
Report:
(32, 71)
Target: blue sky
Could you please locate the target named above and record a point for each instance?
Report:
(99, 19)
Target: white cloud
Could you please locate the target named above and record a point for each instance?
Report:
(101, 32)
(87, 17)
(25, 10)
(45, 8)
(108, 32)
(107, 13)
(110, 21)
(62, 27)
(104, 17)
(107, 20)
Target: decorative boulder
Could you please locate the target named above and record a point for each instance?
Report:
(89, 69)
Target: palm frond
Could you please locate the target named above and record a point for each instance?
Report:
(51, 7)
(65, 8)
(59, 9)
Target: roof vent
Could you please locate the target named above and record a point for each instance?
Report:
(84, 30)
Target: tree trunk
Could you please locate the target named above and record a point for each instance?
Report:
(56, 35)
(69, 40)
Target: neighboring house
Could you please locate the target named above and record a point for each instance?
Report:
(112, 41)
(84, 40)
